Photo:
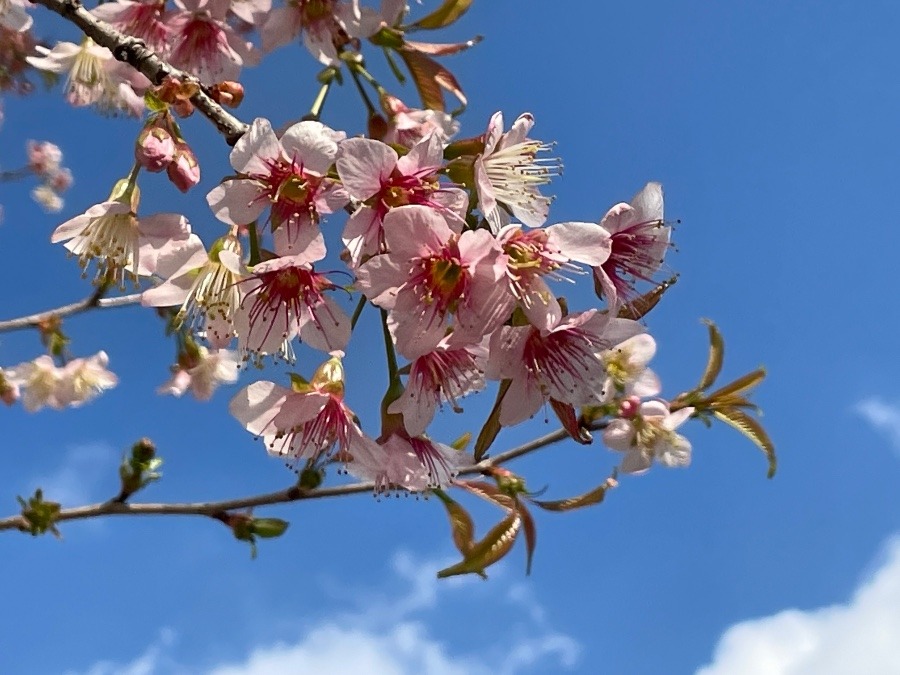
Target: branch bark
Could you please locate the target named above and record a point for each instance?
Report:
(294, 493)
(93, 301)
(135, 53)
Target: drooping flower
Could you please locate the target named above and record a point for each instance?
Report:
(433, 279)
(202, 372)
(375, 175)
(204, 284)
(650, 435)
(288, 175)
(508, 174)
(562, 363)
(284, 298)
(42, 383)
(409, 126)
(638, 240)
(451, 370)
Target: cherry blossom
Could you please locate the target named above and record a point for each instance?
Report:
(13, 15)
(434, 278)
(408, 126)
(650, 435)
(142, 19)
(202, 372)
(562, 363)
(508, 174)
(42, 383)
(626, 367)
(638, 242)
(374, 174)
(84, 379)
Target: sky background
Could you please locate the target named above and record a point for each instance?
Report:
(773, 128)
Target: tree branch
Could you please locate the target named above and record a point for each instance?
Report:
(91, 302)
(135, 53)
(294, 493)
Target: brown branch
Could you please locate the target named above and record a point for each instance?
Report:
(135, 53)
(294, 493)
(93, 301)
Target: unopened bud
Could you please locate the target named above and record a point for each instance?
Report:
(9, 391)
(154, 149)
(629, 407)
(144, 450)
(228, 93)
(183, 170)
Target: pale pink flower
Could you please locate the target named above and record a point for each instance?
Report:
(203, 373)
(445, 374)
(252, 12)
(111, 235)
(434, 278)
(508, 174)
(626, 367)
(638, 240)
(562, 363)
(204, 284)
(44, 158)
(13, 15)
(533, 255)
(38, 382)
(94, 77)
(374, 174)
(154, 149)
(84, 379)
(204, 44)
(408, 126)
(48, 198)
(288, 175)
(284, 298)
(650, 435)
(303, 422)
(142, 19)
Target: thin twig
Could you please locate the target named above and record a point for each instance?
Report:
(94, 301)
(292, 494)
(135, 53)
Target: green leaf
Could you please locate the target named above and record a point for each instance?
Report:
(739, 386)
(491, 428)
(715, 358)
(267, 528)
(496, 544)
(461, 524)
(444, 15)
(595, 496)
(640, 307)
(752, 429)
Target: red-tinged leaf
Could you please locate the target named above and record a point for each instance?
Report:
(715, 358)
(739, 386)
(430, 78)
(595, 496)
(641, 306)
(530, 531)
(496, 544)
(461, 524)
(441, 48)
(491, 428)
(752, 429)
(489, 492)
(446, 14)
(570, 421)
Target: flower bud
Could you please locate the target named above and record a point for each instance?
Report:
(184, 171)
(154, 149)
(228, 93)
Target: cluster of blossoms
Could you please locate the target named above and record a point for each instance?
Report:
(45, 162)
(41, 382)
(467, 298)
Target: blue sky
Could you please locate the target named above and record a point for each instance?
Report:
(773, 128)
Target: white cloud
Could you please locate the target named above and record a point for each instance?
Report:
(885, 417)
(82, 470)
(386, 633)
(860, 636)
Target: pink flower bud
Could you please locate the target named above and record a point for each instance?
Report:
(61, 180)
(184, 171)
(629, 407)
(154, 149)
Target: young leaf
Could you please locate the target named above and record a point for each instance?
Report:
(739, 386)
(496, 544)
(641, 306)
(430, 78)
(491, 427)
(530, 530)
(444, 15)
(753, 430)
(716, 356)
(488, 491)
(595, 496)
(461, 524)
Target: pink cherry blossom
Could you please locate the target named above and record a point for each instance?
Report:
(445, 374)
(204, 44)
(408, 126)
(13, 15)
(374, 174)
(433, 279)
(626, 367)
(562, 363)
(533, 255)
(84, 379)
(288, 175)
(203, 373)
(284, 298)
(508, 174)
(639, 238)
(142, 19)
(650, 435)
